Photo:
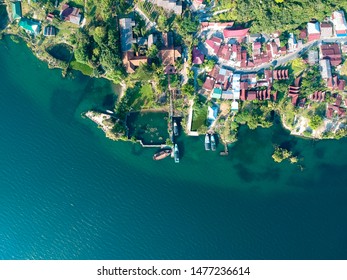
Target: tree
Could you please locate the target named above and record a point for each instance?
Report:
(100, 34)
(163, 23)
(188, 89)
(315, 121)
(152, 52)
(280, 154)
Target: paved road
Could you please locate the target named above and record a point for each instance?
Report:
(285, 59)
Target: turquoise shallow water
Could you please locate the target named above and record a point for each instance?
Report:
(67, 192)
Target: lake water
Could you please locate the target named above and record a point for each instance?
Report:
(67, 192)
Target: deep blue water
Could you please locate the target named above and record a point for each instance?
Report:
(67, 192)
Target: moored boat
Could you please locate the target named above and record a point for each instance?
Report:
(176, 154)
(175, 128)
(207, 142)
(162, 154)
(213, 143)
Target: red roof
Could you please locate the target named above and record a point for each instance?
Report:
(216, 40)
(303, 34)
(235, 33)
(213, 45)
(294, 97)
(342, 85)
(224, 52)
(331, 52)
(243, 85)
(209, 83)
(313, 36)
(243, 94)
(251, 95)
(256, 45)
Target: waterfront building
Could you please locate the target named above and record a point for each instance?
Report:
(16, 10)
(30, 25)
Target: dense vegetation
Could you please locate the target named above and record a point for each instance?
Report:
(269, 15)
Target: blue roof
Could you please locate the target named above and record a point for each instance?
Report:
(30, 25)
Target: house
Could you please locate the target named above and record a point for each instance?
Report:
(292, 43)
(282, 74)
(131, 61)
(325, 68)
(212, 113)
(217, 93)
(331, 109)
(16, 10)
(326, 29)
(198, 2)
(339, 21)
(294, 91)
(227, 94)
(251, 95)
(334, 83)
(268, 75)
(256, 46)
(236, 86)
(49, 31)
(331, 52)
(225, 52)
(126, 33)
(169, 5)
(294, 97)
(223, 78)
(198, 56)
(70, 14)
(312, 57)
(169, 53)
(213, 45)
(318, 96)
(234, 106)
(209, 83)
(30, 25)
(313, 31)
(243, 58)
(238, 34)
(274, 49)
(50, 17)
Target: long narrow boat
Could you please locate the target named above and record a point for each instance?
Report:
(207, 142)
(176, 154)
(213, 143)
(162, 154)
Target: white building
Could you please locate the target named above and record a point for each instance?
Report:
(325, 68)
(236, 86)
(339, 21)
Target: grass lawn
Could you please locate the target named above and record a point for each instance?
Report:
(144, 98)
(199, 118)
(84, 68)
(298, 65)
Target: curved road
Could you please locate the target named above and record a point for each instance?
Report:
(284, 59)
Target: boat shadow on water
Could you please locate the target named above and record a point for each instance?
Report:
(181, 149)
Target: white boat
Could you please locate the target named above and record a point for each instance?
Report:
(207, 142)
(175, 128)
(176, 154)
(213, 143)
